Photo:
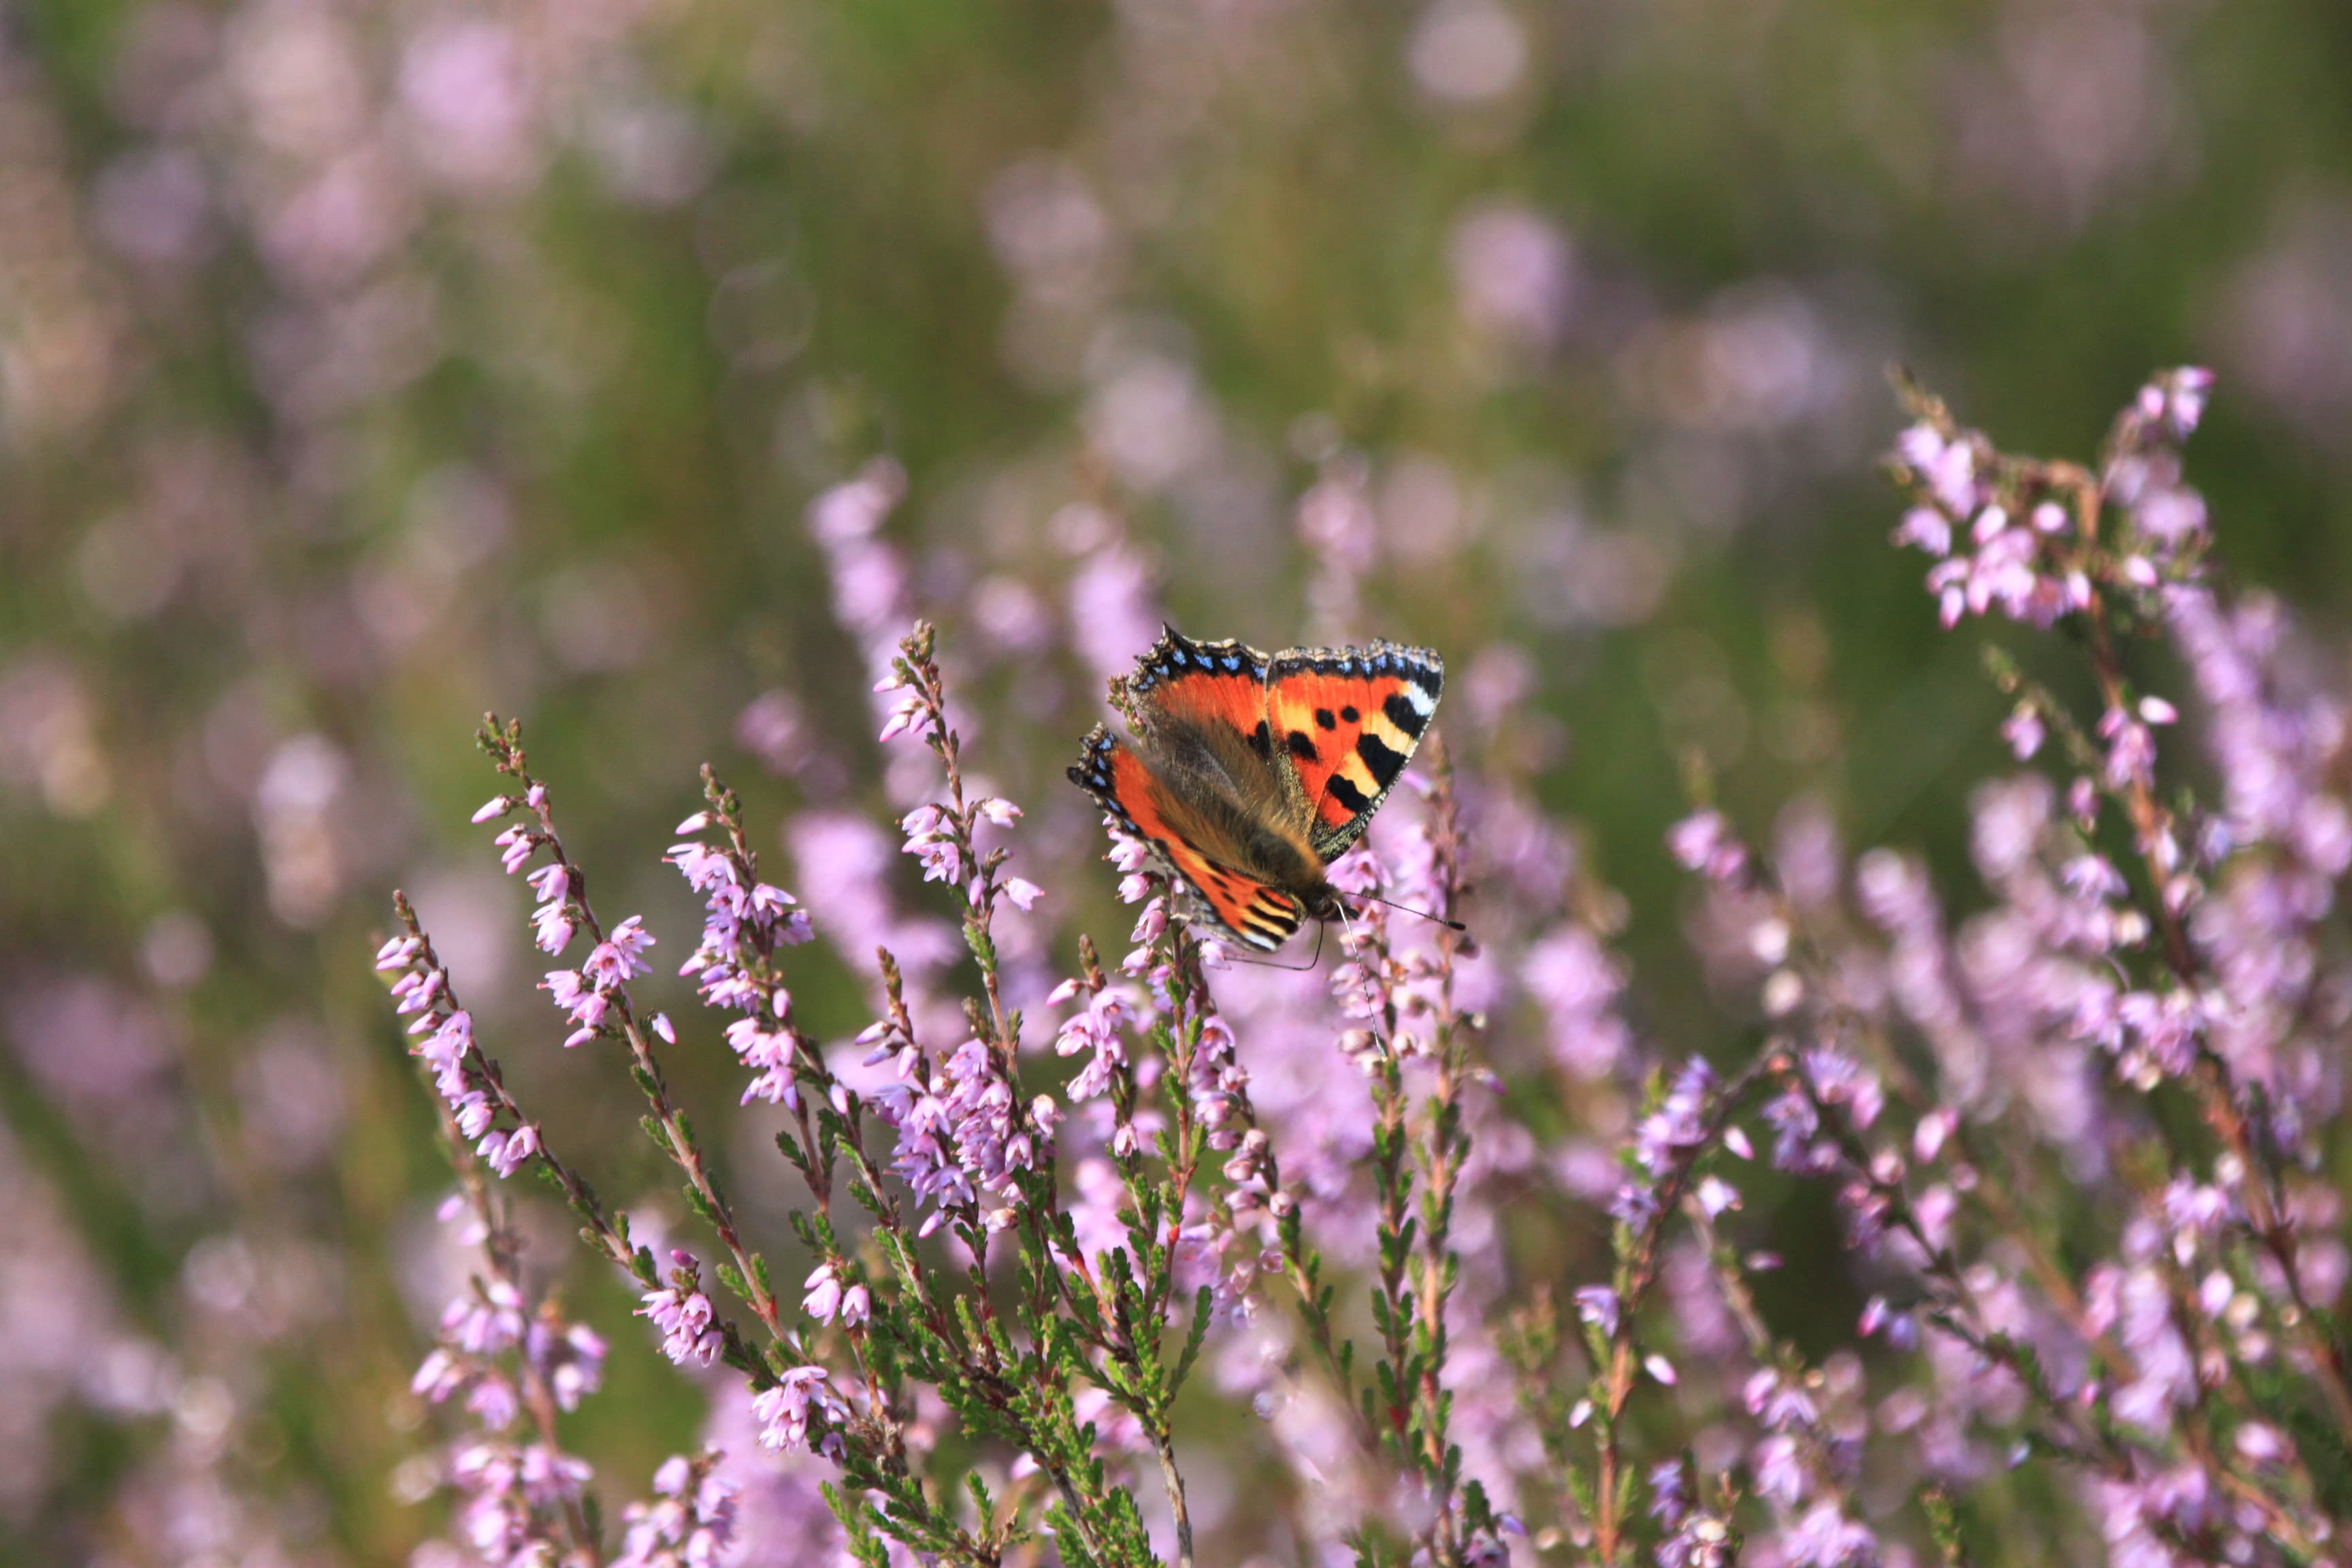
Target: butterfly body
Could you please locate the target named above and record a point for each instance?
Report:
(1251, 773)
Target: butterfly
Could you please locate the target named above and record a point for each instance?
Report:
(1249, 775)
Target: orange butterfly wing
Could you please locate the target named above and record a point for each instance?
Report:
(1251, 912)
(1220, 684)
(1348, 719)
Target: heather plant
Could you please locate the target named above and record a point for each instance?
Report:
(367, 364)
(2078, 1131)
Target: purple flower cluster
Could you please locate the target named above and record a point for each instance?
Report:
(683, 1315)
(476, 1102)
(746, 922)
(961, 1137)
(784, 1412)
(690, 1524)
(522, 1499)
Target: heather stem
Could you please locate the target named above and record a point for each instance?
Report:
(1174, 1482)
(1445, 1147)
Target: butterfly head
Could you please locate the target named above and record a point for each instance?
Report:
(1322, 903)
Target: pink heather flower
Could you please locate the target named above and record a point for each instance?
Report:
(553, 928)
(703, 865)
(2260, 1443)
(830, 1295)
(2091, 876)
(496, 806)
(448, 1043)
(550, 883)
(475, 1113)
(784, 1411)
(1826, 1538)
(1716, 1195)
(1949, 468)
(1705, 843)
(439, 1377)
(620, 955)
(2182, 397)
(1127, 852)
(2022, 729)
(588, 1008)
(397, 951)
(1677, 1123)
(517, 847)
(930, 839)
(684, 1315)
(691, 1525)
(416, 989)
(1098, 1030)
(493, 1401)
(570, 1358)
(506, 1151)
(2082, 802)
(2131, 750)
(484, 1321)
(1926, 529)
(902, 717)
(1023, 893)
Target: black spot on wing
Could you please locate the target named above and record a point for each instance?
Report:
(1384, 764)
(1339, 789)
(1350, 714)
(1261, 741)
(1301, 744)
(1403, 714)
(1324, 719)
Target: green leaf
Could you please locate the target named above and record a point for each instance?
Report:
(1193, 1339)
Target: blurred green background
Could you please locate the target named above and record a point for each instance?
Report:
(363, 366)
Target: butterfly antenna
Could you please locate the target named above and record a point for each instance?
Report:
(1232, 957)
(1408, 908)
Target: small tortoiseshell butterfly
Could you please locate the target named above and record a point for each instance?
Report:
(1250, 775)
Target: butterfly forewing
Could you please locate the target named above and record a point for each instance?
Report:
(1348, 719)
(1180, 681)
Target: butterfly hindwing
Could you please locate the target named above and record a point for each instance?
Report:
(1251, 910)
(1347, 720)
